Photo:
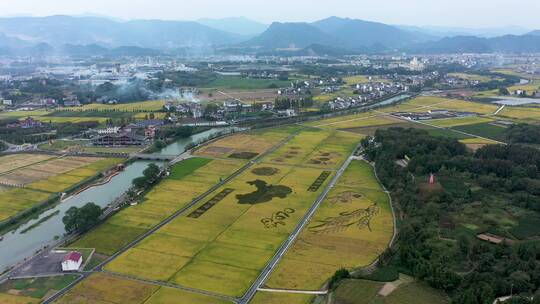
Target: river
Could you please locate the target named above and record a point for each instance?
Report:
(47, 228)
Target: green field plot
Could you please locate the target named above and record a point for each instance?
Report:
(240, 83)
(179, 171)
(487, 130)
(447, 133)
(416, 292)
(370, 130)
(528, 227)
(357, 292)
(352, 228)
(36, 288)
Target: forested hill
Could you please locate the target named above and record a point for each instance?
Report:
(495, 190)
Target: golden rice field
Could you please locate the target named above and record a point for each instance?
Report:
(522, 113)
(22, 114)
(454, 122)
(144, 106)
(101, 288)
(466, 106)
(353, 226)
(12, 299)
(49, 119)
(73, 170)
(45, 180)
(256, 142)
(166, 198)
(16, 200)
(470, 77)
(352, 80)
(222, 244)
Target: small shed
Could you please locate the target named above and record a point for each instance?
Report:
(72, 261)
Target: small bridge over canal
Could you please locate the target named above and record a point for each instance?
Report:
(158, 157)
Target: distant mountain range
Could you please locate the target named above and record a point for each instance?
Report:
(98, 36)
(236, 25)
(59, 30)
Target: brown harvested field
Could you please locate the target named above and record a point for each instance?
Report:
(46, 169)
(12, 162)
(65, 164)
(24, 176)
(237, 143)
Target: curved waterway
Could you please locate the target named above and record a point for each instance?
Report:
(47, 228)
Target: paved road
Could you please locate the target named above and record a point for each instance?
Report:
(292, 237)
(172, 217)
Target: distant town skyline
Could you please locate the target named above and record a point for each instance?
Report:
(448, 13)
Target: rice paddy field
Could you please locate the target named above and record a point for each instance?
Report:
(16, 161)
(454, 122)
(527, 114)
(42, 176)
(353, 226)
(262, 297)
(406, 292)
(143, 106)
(58, 174)
(245, 145)
(189, 180)
(223, 243)
(102, 288)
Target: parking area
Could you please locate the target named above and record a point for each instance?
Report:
(48, 263)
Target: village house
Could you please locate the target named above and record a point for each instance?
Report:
(28, 123)
(72, 261)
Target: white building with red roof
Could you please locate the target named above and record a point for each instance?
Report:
(72, 261)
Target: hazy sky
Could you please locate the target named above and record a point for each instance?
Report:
(460, 13)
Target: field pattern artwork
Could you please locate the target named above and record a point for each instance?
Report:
(360, 218)
(319, 181)
(264, 193)
(351, 228)
(345, 197)
(277, 218)
(211, 203)
(225, 250)
(265, 171)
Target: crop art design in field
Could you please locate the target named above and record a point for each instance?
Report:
(319, 181)
(211, 203)
(264, 193)
(345, 197)
(278, 218)
(360, 218)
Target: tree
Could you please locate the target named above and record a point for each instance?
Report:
(140, 182)
(151, 172)
(504, 92)
(338, 276)
(82, 219)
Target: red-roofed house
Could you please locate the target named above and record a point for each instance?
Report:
(72, 261)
